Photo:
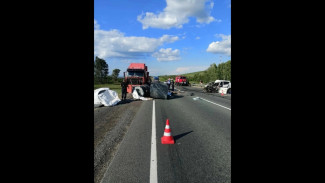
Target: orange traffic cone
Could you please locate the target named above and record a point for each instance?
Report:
(167, 138)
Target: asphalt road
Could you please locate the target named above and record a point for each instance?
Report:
(202, 133)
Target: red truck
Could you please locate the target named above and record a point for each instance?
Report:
(181, 80)
(137, 75)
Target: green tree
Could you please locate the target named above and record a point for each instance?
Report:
(100, 70)
(115, 74)
(228, 70)
(212, 72)
(196, 77)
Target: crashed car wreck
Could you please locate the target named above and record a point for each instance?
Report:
(211, 87)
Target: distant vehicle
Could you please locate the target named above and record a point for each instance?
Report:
(181, 80)
(156, 78)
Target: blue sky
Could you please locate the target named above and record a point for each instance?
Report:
(172, 37)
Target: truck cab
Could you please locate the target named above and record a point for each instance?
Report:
(181, 80)
(137, 75)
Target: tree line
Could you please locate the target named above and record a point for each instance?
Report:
(101, 72)
(221, 71)
(214, 72)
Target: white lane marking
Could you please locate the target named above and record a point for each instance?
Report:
(215, 103)
(153, 159)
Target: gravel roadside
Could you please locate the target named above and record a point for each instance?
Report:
(110, 125)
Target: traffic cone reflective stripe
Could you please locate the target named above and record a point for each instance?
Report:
(167, 132)
(167, 138)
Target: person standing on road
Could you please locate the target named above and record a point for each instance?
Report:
(173, 85)
(124, 86)
(201, 83)
(168, 83)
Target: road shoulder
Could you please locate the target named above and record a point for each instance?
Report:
(110, 126)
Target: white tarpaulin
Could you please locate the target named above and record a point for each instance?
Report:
(135, 95)
(106, 97)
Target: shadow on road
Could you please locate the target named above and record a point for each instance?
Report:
(126, 101)
(181, 135)
(174, 96)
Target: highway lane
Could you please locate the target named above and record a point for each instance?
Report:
(132, 160)
(224, 100)
(202, 132)
(203, 141)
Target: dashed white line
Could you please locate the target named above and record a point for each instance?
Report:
(153, 159)
(215, 103)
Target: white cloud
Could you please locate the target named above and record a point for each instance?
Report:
(114, 44)
(222, 47)
(197, 37)
(167, 54)
(177, 13)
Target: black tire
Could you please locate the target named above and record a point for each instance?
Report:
(229, 91)
(139, 90)
(146, 90)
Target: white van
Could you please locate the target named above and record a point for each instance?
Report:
(224, 86)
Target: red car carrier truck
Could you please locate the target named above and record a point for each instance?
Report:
(137, 76)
